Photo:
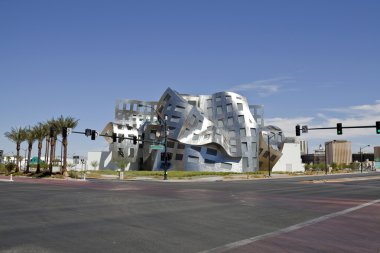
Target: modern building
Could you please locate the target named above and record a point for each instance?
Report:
(338, 152)
(219, 132)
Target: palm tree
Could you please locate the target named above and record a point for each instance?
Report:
(30, 138)
(65, 122)
(39, 132)
(46, 127)
(53, 132)
(17, 135)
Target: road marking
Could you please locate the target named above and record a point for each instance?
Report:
(244, 242)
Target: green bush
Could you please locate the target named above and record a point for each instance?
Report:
(10, 166)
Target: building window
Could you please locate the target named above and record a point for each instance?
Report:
(211, 151)
(241, 119)
(220, 122)
(170, 144)
(179, 157)
(266, 154)
(230, 121)
(218, 99)
(226, 166)
(195, 137)
(232, 142)
(253, 132)
(229, 107)
(192, 159)
(196, 148)
(273, 157)
(245, 163)
(219, 109)
(193, 103)
(253, 147)
(240, 106)
(242, 132)
(233, 149)
(180, 145)
(209, 102)
(244, 147)
(175, 119)
(209, 161)
(180, 109)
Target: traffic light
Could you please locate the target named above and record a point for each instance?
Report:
(93, 135)
(134, 139)
(339, 129)
(64, 132)
(121, 138)
(114, 137)
(298, 130)
(378, 127)
(87, 132)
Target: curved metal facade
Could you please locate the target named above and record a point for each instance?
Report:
(205, 133)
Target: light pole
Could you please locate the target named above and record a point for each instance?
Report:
(361, 157)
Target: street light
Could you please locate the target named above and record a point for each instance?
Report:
(161, 120)
(361, 157)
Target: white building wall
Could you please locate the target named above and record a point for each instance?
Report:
(290, 160)
(102, 157)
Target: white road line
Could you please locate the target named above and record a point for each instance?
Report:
(243, 242)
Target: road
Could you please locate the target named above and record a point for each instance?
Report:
(298, 214)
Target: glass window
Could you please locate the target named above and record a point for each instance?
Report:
(233, 149)
(174, 119)
(244, 147)
(170, 144)
(209, 102)
(240, 106)
(241, 119)
(253, 132)
(179, 109)
(218, 99)
(209, 161)
(242, 132)
(180, 145)
(245, 163)
(211, 151)
(195, 137)
(230, 121)
(220, 122)
(227, 166)
(196, 148)
(193, 159)
(254, 148)
(179, 156)
(219, 109)
(229, 107)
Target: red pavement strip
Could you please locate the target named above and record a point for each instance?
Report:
(353, 230)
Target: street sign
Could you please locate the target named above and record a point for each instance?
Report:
(305, 129)
(158, 147)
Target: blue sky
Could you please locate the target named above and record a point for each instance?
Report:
(308, 62)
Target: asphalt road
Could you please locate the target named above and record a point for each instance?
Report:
(267, 215)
